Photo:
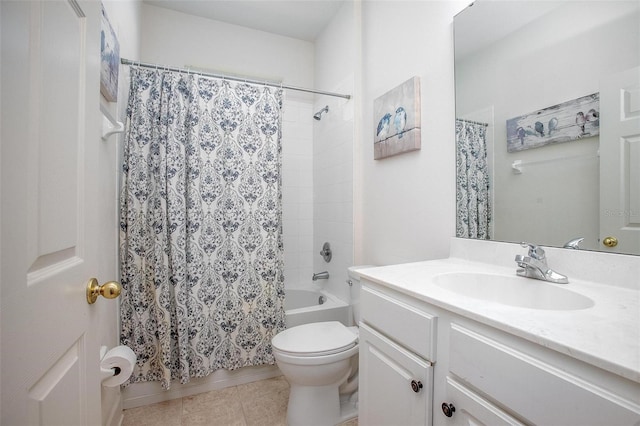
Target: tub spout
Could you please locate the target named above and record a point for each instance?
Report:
(321, 276)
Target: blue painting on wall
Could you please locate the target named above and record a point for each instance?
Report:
(110, 60)
(397, 120)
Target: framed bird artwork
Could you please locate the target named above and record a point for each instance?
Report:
(109, 60)
(397, 120)
(568, 121)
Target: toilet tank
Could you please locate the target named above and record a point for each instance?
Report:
(354, 289)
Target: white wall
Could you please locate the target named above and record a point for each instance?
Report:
(124, 17)
(178, 39)
(547, 211)
(336, 61)
(407, 211)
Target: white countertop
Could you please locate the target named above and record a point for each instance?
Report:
(606, 335)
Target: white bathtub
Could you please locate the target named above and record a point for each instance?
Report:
(302, 306)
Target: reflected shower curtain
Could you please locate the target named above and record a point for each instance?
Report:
(473, 202)
(200, 225)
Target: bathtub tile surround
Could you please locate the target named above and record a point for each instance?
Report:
(333, 180)
(258, 403)
(297, 191)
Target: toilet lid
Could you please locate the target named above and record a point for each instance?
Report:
(315, 339)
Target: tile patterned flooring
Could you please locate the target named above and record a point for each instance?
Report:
(262, 403)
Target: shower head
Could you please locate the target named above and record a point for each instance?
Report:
(318, 115)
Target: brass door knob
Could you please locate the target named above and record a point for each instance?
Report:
(108, 290)
(610, 241)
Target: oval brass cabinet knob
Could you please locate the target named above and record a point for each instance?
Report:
(108, 290)
(610, 241)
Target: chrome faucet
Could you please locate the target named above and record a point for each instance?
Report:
(574, 244)
(534, 265)
(321, 276)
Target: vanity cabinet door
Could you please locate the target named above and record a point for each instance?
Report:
(395, 385)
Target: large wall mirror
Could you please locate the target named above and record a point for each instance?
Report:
(548, 123)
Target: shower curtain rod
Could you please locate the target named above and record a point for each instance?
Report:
(473, 122)
(225, 77)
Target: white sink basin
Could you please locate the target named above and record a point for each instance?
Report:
(513, 291)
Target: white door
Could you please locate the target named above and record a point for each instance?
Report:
(620, 162)
(50, 136)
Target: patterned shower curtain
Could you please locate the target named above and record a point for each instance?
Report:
(200, 225)
(473, 201)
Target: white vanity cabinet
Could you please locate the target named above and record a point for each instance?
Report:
(492, 377)
(481, 375)
(396, 361)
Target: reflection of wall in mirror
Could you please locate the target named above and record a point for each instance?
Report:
(552, 202)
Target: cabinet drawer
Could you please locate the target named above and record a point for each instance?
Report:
(472, 409)
(539, 392)
(403, 323)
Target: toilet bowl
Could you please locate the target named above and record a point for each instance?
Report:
(320, 361)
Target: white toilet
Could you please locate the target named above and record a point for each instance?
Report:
(320, 362)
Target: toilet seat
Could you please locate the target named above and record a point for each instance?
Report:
(315, 339)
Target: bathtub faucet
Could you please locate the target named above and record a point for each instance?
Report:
(321, 276)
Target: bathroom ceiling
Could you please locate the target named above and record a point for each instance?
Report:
(301, 19)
